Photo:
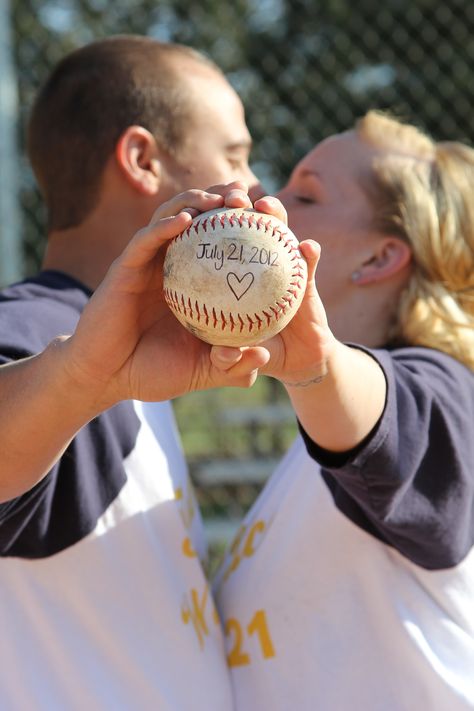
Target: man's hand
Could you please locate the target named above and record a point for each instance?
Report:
(128, 344)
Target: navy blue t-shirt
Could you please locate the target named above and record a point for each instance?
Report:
(65, 505)
(411, 482)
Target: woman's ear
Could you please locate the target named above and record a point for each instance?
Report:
(136, 153)
(391, 256)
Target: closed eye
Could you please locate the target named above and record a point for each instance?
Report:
(237, 163)
(305, 199)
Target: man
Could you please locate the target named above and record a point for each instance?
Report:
(103, 603)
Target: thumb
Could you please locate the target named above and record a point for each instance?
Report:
(147, 241)
(225, 357)
(237, 367)
(311, 251)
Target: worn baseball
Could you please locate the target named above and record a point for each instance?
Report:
(234, 277)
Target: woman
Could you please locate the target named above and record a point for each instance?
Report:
(351, 583)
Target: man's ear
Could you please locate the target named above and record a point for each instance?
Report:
(136, 153)
(390, 256)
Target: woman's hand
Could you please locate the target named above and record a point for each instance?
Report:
(300, 352)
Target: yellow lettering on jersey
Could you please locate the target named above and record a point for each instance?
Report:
(244, 546)
(249, 548)
(258, 624)
(237, 538)
(188, 549)
(236, 658)
(194, 611)
(185, 499)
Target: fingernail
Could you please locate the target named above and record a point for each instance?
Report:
(229, 354)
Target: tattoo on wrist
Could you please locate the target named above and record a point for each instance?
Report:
(305, 383)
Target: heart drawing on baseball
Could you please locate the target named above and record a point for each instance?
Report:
(239, 287)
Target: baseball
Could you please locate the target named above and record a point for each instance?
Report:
(234, 277)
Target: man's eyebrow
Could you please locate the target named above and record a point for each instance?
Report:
(238, 145)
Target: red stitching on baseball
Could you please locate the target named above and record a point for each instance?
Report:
(268, 317)
(276, 311)
(174, 299)
(251, 220)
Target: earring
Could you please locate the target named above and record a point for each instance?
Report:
(355, 276)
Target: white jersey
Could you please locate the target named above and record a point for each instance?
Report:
(123, 619)
(320, 616)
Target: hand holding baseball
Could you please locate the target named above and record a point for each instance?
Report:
(300, 351)
(234, 277)
(128, 344)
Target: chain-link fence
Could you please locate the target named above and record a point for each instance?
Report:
(304, 69)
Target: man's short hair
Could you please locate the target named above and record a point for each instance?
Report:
(89, 100)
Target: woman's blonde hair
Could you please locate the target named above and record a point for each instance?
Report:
(423, 192)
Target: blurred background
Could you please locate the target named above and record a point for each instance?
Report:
(304, 70)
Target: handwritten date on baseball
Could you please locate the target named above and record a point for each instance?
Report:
(236, 252)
